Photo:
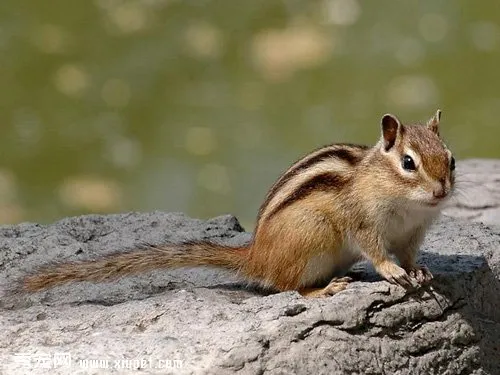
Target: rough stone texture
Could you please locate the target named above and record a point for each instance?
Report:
(478, 191)
(215, 324)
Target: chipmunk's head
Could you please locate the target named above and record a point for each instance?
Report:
(423, 167)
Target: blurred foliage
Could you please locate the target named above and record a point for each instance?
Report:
(197, 106)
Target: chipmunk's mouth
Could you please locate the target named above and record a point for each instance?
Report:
(429, 202)
(434, 202)
(427, 205)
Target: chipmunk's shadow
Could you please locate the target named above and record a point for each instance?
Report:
(469, 281)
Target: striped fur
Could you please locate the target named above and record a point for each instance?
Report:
(319, 181)
(332, 161)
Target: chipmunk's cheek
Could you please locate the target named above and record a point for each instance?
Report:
(419, 194)
(424, 198)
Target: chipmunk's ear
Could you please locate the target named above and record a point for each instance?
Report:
(391, 130)
(433, 123)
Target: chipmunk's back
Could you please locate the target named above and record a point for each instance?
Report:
(326, 168)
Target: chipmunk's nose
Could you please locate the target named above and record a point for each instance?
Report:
(439, 192)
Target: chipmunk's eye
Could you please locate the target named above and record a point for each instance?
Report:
(408, 163)
(452, 164)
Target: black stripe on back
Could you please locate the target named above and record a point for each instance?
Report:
(327, 181)
(341, 151)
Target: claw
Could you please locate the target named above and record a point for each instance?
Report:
(336, 285)
(344, 279)
(395, 274)
(420, 273)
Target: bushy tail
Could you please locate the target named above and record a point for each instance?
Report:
(137, 261)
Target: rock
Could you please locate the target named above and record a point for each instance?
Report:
(478, 191)
(207, 321)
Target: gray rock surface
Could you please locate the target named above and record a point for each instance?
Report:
(203, 321)
(478, 191)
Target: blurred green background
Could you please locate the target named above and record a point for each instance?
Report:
(197, 106)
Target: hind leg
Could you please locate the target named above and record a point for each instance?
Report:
(336, 285)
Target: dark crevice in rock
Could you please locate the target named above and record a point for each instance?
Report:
(321, 323)
(98, 302)
(295, 310)
(475, 208)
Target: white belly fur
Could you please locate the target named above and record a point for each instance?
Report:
(403, 224)
(324, 266)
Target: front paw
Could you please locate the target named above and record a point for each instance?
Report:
(394, 274)
(420, 273)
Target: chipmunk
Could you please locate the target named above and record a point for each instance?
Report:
(338, 205)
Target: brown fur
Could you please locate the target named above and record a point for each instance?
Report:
(320, 182)
(348, 152)
(431, 149)
(117, 265)
(335, 206)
